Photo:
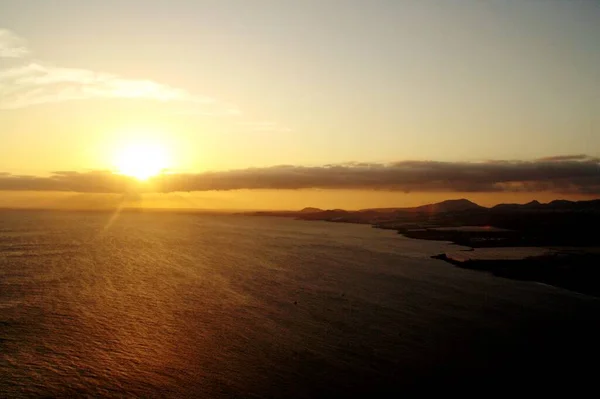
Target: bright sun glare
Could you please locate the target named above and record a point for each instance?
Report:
(141, 160)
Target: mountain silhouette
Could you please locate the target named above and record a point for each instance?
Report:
(455, 205)
(310, 210)
(467, 211)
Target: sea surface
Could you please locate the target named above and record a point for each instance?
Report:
(172, 305)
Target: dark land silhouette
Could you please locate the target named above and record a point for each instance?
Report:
(568, 230)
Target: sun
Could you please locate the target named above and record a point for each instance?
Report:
(141, 160)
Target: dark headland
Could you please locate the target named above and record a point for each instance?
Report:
(565, 231)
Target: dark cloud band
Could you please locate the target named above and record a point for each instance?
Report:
(572, 174)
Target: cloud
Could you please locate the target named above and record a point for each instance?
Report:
(89, 182)
(579, 175)
(29, 83)
(576, 157)
(34, 83)
(11, 45)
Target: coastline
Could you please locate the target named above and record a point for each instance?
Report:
(563, 232)
(573, 268)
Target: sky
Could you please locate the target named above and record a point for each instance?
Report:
(284, 103)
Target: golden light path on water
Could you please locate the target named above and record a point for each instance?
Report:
(179, 305)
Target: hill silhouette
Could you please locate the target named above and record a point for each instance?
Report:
(310, 210)
(568, 228)
(451, 205)
(456, 205)
(559, 222)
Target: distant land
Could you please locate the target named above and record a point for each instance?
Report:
(565, 233)
(557, 223)
(568, 231)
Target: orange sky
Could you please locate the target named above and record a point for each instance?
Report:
(229, 91)
(257, 199)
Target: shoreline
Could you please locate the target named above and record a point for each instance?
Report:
(570, 267)
(573, 271)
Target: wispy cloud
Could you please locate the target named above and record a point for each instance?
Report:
(34, 83)
(31, 82)
(560, 158)
(11, 45)
(573, 175)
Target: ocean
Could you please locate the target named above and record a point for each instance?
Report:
(181, 305)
